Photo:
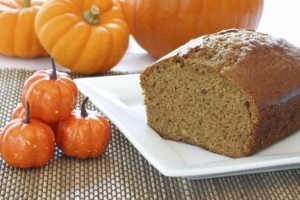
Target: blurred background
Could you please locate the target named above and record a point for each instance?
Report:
(280, 18)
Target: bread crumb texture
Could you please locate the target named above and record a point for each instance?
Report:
(234, 92)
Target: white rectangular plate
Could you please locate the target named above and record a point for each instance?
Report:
(120, 99)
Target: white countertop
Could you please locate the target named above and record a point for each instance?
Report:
(280, 19)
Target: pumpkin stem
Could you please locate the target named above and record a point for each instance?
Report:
(83, 109)
(54, 75)
(26, 3)
(27, 113)
(92, 16)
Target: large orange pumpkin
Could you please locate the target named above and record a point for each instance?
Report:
(161, 26)
(17, 34)
(85, 36)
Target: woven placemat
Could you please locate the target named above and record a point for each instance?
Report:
(121, 172)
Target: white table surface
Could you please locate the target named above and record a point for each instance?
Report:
(280, 18)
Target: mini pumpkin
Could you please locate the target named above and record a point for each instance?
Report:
(85, 36)
(85, 134)
(161, 26)
(27, 143)
(17, 32)
(52, 95)
(20, 112)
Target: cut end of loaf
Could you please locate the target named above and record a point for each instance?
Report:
(192, 103)
(234, 92)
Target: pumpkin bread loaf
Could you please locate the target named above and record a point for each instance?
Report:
(234, 92)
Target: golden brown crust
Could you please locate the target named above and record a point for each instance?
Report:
(275, 123)
(265, 69)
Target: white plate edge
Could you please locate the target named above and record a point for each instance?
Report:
(190, 171)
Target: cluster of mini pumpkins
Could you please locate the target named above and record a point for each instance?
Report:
(92, 36)
(46, 118)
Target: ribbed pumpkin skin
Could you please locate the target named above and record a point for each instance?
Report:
(161, 26)
(74, 43)
(17, 35)
(51, 99)
(27, 145)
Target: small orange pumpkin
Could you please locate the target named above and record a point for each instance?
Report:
(20, 112)
(85, 36)
(84, 134)
(52, 95)
(17, 32)
(162, 26)
(27, 143)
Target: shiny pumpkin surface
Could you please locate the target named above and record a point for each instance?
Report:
(84, 46)
(20, 112)
(161, 26)
(83, 137)
(51, 99)
(17, 32)
(27, 145)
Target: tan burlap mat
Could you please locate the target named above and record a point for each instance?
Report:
(121, 172)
